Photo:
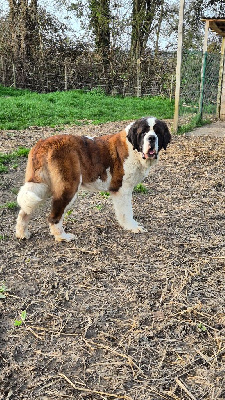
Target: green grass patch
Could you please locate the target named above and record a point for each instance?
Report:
(195, 122)
(6, 159)
(10, 205)
(140, 188)
(20, 109)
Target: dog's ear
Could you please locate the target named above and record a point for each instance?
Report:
(136, 131)
(162, 131)
(166, 136)
(133, 137)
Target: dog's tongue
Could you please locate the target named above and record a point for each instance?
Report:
(149, 154)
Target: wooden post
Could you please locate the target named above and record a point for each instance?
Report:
(3, 71)
(65, 76)
(218, 107)
(222, 104)
(138, 89)
(204, 57)
(14, 75)
(178, 68)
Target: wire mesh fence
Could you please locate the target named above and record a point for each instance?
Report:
(157, 77)
(191, 76)
(211, 84)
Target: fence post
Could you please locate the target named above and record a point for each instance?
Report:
(14, 75)
(178, 68)
(138, 72)
(218, 104)
(204, 58)
(65, 77)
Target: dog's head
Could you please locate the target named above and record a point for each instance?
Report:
(148, 136)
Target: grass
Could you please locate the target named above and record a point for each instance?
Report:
(195, 122)
(6, 159)
(10, 205)
(140, 188)
(20, 109)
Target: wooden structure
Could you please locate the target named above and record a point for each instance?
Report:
(217, 25)
(178, 68)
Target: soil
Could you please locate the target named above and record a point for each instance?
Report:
(116, 315)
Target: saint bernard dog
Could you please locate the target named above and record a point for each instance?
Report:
(59, 166)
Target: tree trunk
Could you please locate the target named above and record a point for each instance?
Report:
(100, 23)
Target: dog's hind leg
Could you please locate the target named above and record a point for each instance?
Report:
(30, 196)
(59, 207)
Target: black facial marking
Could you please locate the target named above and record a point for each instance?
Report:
(137, 132)
(164, 136)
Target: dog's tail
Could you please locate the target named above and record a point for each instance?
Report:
(32, 195)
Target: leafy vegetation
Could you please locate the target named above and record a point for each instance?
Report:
(195, 122)
(6, 159)
(19, 322)
(3, 290)
(11, 205)
(140, 188)
(23, 109)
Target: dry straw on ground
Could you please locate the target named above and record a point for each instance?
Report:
(116, 315)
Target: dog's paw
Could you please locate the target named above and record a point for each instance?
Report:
(20, 234)
(139, 229)
(67, 237)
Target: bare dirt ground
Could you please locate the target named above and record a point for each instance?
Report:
(116, 315)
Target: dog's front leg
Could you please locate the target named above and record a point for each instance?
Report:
(122, 201)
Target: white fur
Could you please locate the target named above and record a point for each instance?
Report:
(99, 185)
(151, 122)
(135, 170)
(22, 225)
(58, 232)
(30, 197)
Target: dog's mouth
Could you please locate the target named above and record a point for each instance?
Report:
(150, 154)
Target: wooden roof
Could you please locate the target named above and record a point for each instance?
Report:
(217, 25)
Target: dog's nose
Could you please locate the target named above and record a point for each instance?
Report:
(152, 139)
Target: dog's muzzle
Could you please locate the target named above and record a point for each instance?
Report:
(151, 148)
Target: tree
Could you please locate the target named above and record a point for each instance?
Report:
(100, 19)
(143, 15)
(23, 20)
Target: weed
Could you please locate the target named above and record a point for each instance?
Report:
(15, 191)
(3, 290)
(11, 205)
(3, 237)
(105, 195)
(140, 188)
(69, 212)
(22, 318)
(201, 327)
(99, 207)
